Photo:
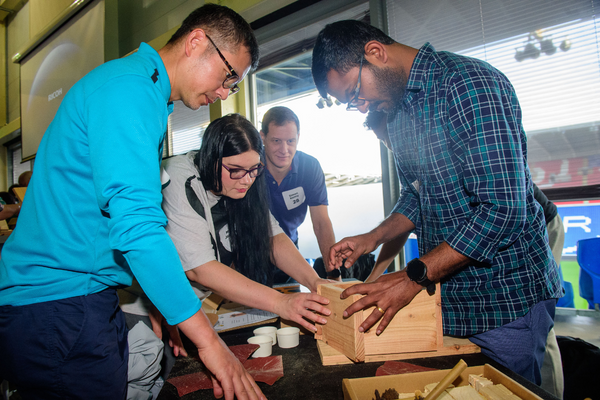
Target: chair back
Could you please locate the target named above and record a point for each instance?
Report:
(588, 256)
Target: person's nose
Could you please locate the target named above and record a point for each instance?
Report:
(283, 148)
(223, 93)
(247, 179)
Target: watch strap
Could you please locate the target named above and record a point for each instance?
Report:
(417, 272)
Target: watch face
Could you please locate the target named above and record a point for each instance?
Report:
(416, 270)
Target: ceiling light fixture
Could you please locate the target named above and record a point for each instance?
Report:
(544, 45)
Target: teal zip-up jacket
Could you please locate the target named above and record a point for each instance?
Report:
(92, 216)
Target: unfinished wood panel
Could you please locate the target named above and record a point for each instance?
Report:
(414, 328)
(20, 193)
(342, 333)
(226, 306)
(363, 388)
(330, 356)
(287, 323)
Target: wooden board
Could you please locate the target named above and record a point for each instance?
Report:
(414, 328)
(339, 332)
(213, 301)
(213, 318)
(452, 346)
(286, 323)
(227, 306)
(20, 192)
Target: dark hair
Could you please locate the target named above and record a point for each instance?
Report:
(339, 47)
(226, 27)
(248, 218)
(279, 116)
(24, 178)
(375, 119)
(9, 197)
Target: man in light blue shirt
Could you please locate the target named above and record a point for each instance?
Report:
(92, 219)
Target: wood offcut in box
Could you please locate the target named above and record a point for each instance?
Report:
(415, 331)
(364, 388)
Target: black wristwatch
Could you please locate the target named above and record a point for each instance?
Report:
(417, 272)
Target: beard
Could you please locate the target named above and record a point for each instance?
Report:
(391, 84)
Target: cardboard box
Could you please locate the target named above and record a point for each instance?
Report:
(364, 388)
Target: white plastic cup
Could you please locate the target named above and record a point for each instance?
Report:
(288, 337)
(266, 345)
(267, 330)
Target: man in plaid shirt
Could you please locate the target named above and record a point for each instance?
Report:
(460, 149)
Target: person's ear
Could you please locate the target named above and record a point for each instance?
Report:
(196, 42)
(376, 53)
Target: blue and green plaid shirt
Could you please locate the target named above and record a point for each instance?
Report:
(461, 155)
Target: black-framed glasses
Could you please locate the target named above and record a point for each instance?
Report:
(232, 78)
(239, 173)
(356, 101)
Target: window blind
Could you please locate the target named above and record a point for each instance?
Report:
(18, 167)
(550, 51)
(185, 129)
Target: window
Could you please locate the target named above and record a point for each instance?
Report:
(550, 52)
(15, 166)
(347, 152)
(185, 129)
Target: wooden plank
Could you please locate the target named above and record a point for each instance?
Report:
(286, 323)
(438, 315)
(20, 192)
(265, 322)
(213, 301)
(225, 307)
(342, 333)
(213, 318)
(330, 356)
(414, 328)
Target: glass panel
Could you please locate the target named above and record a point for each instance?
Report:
(186, 127)
(17, 166)
(347, 152)
(286, 79)
(550, 52)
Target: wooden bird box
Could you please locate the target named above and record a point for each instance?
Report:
(415, 331)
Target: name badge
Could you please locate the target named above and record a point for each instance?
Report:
(294, 197)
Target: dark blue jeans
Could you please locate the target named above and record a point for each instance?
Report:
(73, 348)
(521, 344)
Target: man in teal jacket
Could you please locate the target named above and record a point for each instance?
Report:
(92, 220)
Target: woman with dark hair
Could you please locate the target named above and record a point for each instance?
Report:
(217, 205)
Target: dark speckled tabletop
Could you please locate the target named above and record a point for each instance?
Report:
(306, 378)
